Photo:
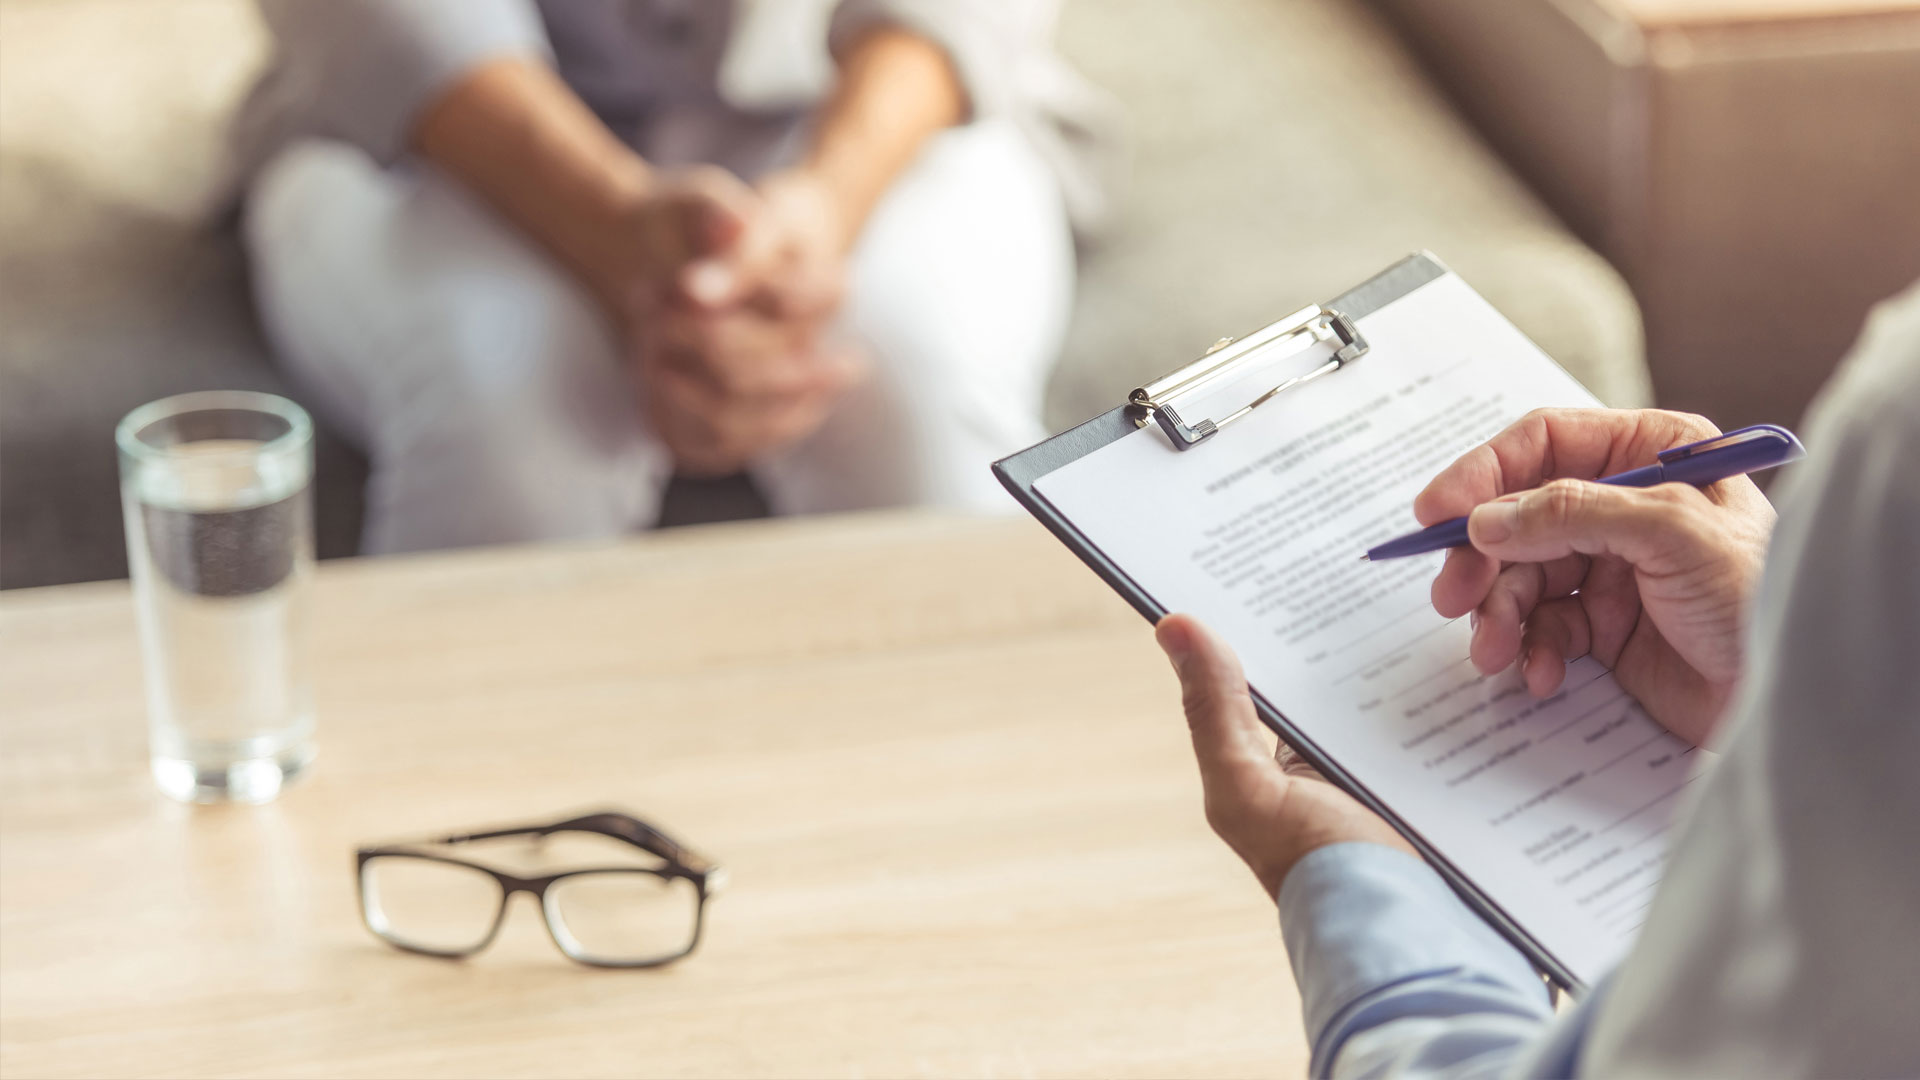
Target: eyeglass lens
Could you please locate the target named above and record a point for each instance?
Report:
(430, 905)
(623, 917)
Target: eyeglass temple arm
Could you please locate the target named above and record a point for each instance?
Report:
(614, 824)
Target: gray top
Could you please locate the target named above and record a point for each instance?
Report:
(681, 81)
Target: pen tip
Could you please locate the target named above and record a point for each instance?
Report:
(1366, 558)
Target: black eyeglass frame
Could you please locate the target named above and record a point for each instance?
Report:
(680, 861)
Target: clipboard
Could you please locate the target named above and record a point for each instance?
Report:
(1161, 402)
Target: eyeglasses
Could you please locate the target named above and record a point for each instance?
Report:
(605, 916)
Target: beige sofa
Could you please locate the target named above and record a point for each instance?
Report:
(1284, 149)
(1751, 166)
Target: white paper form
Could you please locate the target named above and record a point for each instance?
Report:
(1555, 809)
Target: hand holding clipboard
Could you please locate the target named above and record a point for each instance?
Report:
(1239, 488)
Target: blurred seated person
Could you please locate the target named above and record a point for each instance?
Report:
(537, 257)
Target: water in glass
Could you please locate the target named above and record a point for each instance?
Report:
(217, 498)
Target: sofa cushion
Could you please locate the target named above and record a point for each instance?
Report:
(1288, 149)
(113, 290)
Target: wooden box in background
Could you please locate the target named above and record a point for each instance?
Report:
(1751, 166)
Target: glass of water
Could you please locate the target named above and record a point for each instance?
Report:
(216, 489)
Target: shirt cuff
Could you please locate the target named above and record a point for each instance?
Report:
(1360, 919)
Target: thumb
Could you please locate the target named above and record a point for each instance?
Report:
(710, 283)
(698, 224)
(1656, 529)
(736, 265)
(712, 212)
(1226, 731)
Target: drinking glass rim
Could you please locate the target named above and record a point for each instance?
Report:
(126, 434)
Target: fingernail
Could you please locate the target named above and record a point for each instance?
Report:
(708, 282)
(1473, 619)
(1494, 522)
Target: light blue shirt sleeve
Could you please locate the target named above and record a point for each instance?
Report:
(1398, 978)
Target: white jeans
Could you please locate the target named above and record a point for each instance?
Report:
(489, 389)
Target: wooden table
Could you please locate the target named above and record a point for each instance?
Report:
(944, 765)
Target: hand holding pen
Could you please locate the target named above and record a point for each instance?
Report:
(1653, 582)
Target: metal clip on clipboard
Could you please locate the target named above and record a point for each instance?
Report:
(1160, 398)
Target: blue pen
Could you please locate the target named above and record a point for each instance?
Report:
(1748, 450)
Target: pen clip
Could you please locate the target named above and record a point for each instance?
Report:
(1770, 440)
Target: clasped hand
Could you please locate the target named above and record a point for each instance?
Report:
(1655, 583)
(727, 313)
